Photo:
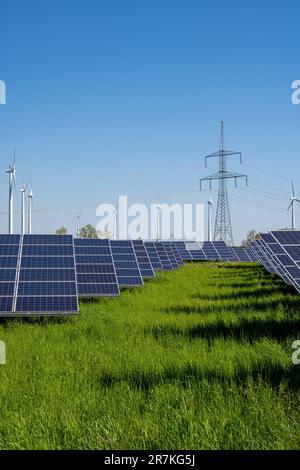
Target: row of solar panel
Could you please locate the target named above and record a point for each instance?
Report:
(47, 273)
(279, 253)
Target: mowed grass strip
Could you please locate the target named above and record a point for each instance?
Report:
(198, 358)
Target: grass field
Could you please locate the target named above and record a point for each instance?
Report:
(198, 358)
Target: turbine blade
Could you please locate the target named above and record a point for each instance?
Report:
(293, 190)
(290, 206)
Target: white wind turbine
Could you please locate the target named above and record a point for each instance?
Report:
(78, 216)
(11, 187)
(23, 208)
(293, 200)
(209, 222)
(30, 196)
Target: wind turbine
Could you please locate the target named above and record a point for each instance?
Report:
(159, 211)
(293, 200)
(209, 222)
(11, 187)
(78, 215)
(30, 196)
(23, 191)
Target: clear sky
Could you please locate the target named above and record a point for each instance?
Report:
(124, 97)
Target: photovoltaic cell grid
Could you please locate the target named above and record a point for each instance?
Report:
(196, 251)
(9, 252)
(153, 256)
(241, 254)
(289, 242)
(277, 257)
(143, 259)
(46, 281)
(96, 275)
(170, 254)
(223, 251)
(176, 254)
(163, 257)
(126, 265)
(182, 250)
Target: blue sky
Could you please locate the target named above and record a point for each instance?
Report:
(125, 97)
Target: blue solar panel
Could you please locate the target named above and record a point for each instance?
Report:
(127, 269)
(182, 250)
(170, 254)
(153, 256)
(176, 254)
(241, 254)
(143, 259)
(9, 251)
(163, 257)
(210, 251)
(223, 251)
(46, 282)
(196, 251)
(96, 274)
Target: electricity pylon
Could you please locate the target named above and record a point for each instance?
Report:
(223, 229)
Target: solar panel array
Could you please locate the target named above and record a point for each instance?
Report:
(37, 275)
(279, 253)
(96, 274)
(143, 259)
(46, 274)
(126, 264)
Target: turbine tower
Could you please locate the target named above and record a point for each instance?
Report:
(209, 222)
(293, 200)
(223, 229)
(78, 215)
(11, 186)
(30, 196)
(23, 191)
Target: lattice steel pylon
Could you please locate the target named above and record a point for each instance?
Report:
(223, 228)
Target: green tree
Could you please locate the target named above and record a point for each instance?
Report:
(88, 231)
(251, 236)
(61, 231)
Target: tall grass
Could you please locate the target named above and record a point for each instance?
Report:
(198, 358)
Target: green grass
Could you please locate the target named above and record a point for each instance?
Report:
(199, 358)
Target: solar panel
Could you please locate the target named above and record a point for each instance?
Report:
(288, 248)
(241, 254)
(196, 251)
(170, 253)
(163, 257)
(275, 254)
(223, 251)
(9, 255)
(210, 251)
(182, 250)
(46, 281)
(176, 254)
(261, 255)
(96, 275)
(143, 259)
(153, 256)
(126, 265)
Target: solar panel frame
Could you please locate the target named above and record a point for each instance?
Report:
(128, 275)
(153, 256)
(196, 251)
(143, 259)
(163, 257)
(50, 297)
(95, 268)
(9, 248)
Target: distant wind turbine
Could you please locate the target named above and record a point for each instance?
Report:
(23, 191)
(30, 196)
(11, 187)
(293, 200)
(209, 222)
